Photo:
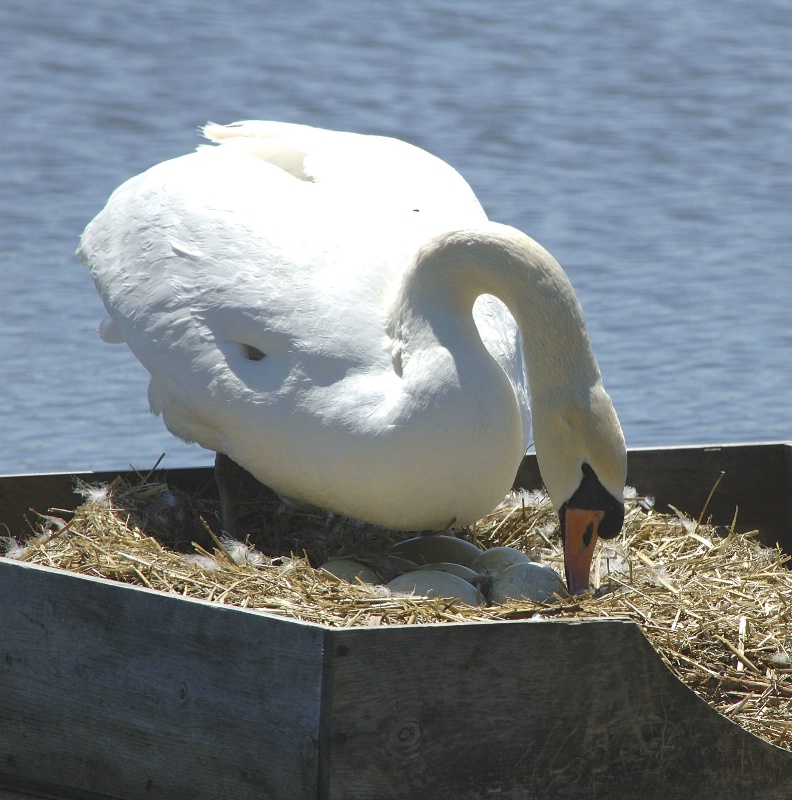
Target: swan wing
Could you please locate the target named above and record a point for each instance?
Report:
(400, 184)
(282, 245)
(377, 174)
(207, 265)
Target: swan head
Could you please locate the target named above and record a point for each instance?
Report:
(583, 460)
(592, 512)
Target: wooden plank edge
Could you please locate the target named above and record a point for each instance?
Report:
(581, 709)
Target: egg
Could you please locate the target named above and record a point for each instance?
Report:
(461, 571)
(497, 559)
(433, 549)
(349, 570)
(527, 580)
(433, 583)
(401, 565)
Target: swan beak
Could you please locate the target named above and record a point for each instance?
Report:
(580, 535)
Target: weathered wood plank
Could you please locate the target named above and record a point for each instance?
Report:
(20, 495)
(753, 479)
(757, 481)
(756, 484)
(119, 692)
(8, 794)
(579, 710)
(786, 492)
(115, 692)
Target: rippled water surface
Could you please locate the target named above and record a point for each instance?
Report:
(648, 148)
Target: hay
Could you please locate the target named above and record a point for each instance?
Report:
(715, 604)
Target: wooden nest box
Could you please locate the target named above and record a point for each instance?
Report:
(116, 691)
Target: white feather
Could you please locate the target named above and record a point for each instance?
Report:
(304, 302)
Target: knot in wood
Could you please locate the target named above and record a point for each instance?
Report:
(404, 737)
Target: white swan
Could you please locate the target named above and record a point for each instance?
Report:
(303, 300)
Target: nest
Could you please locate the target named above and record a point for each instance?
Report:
(716, 604)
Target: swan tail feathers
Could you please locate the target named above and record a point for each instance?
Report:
(251, 129)
(278, 143)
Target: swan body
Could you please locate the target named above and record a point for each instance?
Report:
(335, 313)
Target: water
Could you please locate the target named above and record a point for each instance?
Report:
(648, 147)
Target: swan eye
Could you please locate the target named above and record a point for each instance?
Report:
(252, 353)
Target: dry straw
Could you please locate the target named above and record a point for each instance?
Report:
(714, 603)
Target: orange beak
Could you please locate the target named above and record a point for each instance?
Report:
(580, 535)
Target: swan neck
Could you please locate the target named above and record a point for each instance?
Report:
(573, 418)
(454, 269)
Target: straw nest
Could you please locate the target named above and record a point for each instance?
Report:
(715, 603)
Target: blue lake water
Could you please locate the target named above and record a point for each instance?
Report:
(647, 146)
